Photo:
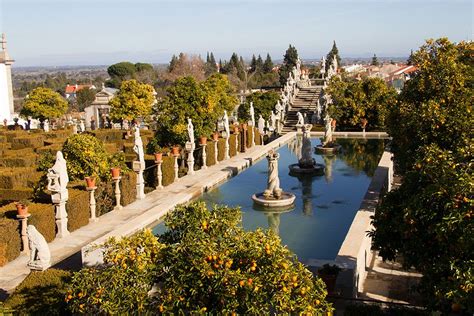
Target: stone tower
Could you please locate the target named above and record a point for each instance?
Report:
(6, 89)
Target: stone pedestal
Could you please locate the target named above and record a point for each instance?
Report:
(159, 174)
(226, 149)
(24, 236)
(117, 192)
(138, 168)
(299, 129)
(204, 156)
(190, 160)
(91, 190)
(216, 151)
(59, 200)
(176, 168)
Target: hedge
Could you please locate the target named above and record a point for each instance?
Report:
(28, 160)
(20, 177)
(51, 149)
(210, 154)
(107, 136)
(78, 209)
(29, 141)
(258, 137)
(128, 188)
(43, 218)
(249, 136)
(232, 147)
(167, 168)
(41, 293)
(10, 242)
(16, 194)
(221, 149)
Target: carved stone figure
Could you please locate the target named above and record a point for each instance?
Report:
(252, 114)
(138, 147)
(226, 124)
(327, 129)
(261, 124)
(46, 125)
(273, 186)
(300, 119)
(40, 256)
(190, 131)
(82, 127)
(273, 121)
(57, 175)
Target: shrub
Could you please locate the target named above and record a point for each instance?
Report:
(204, 263)
(210, 152)
(43, 217)
(78, 210)
(221, 149)
(232, 147)
(167, 167)
(129, 189)
(28, 141)
(10, 242)
(41, 293)
(86, 156)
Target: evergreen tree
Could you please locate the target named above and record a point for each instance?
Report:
(410, 58)
(329, 57)
(268, 64)
(253, 64)
(212, 61)
(289, 61)
(210, 66)
(173, 63)
(375, 61)
(259, 63)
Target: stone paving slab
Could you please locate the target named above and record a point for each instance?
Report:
(139, 214)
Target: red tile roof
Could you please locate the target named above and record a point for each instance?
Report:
(75, 88)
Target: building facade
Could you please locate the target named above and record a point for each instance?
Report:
(6, 88)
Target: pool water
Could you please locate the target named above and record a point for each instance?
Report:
(325, 205)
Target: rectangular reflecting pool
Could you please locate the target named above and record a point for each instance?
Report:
(325, 205)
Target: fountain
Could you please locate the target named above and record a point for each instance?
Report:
(328, 146)
(273, 196)
(306, 164)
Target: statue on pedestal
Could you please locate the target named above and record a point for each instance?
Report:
(273, 185)
(46, 125)
(40, 256)
(261, 124)
(138, 147)
(226, 124)
(300, 119)
(252, 114)
(190, 131)
(57, 175)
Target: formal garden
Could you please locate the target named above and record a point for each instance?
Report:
(205, 261)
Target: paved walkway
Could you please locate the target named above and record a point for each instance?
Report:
(139, 214)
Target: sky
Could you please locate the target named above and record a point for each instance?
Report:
(102, 32)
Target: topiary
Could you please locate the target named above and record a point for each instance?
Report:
(86, 156)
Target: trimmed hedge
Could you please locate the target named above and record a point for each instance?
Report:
(29, 141)
(110, 135)
(232, 146)
(16, 194)
(210, 154)
(19, 161)
(51, 149)
(128, 188)
(20, 177)
(43, 218)
(167, 168)
(41, 293)
(249, 136)
(220, 149)
(10, 242)
(258, 137)
(77, 207)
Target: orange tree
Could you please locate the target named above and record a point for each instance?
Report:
(204, 263)
(427, 221)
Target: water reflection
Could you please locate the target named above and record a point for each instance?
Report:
(328, 163)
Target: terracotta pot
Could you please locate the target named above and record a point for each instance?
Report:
(21, 209)
(333, 123)
(236, 130)
(175, 150)
(90, 182)
(158, 156)
(203, 140)
(215, 136)
(115, 172)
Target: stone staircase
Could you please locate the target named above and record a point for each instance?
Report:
(305, 102)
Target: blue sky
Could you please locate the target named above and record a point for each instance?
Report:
(54, 32)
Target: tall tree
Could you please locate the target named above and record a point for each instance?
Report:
(119, 72)
(375, 61)
(43, 103)
(84, 98)
(333, 52)
(259, 63)
(173, 63)
(427, 221)
(289, 61)
(253, 64)
(210, 66)
(133, 100)
(268, 64)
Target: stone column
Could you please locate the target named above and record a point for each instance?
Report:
(24, 236)
(118, 194)
(59, 200)
(216, 151)
(190, 151)
(159, 174)
(91, 190)
(204, 156)
(226, 149)
(176, 168)
(138, 168)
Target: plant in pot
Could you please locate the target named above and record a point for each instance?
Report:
(363, 123)
(203, 129)
(90, 181)
(22, 207)
(328, 273)
(117, 164)
(153, 148)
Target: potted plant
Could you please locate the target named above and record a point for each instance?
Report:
(117, 164)
(363, 123)
(328, 273)
(175, 150)
(215, 136)
(22, 207)
(90, 181)
(115, 172)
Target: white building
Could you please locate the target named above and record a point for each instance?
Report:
(6, 90)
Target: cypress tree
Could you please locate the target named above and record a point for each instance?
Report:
(173, 63)
(375, 61)
(259, 63)
(253, 64)
(333, 52)
(268, 64)
(289, 61)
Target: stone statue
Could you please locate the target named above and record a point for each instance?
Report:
(190, 131)
(327, 129)
(74, 128)
(57, 175)
(138, 147)
(323, 65)
(261, 124)
(300, 119)
(82, 127)
(272, 120)
(46, 126)
(278, 107)
(307, 159)
(252, 114)
(226, 124)
(40, 256)
(318, 110)
(273, 186)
